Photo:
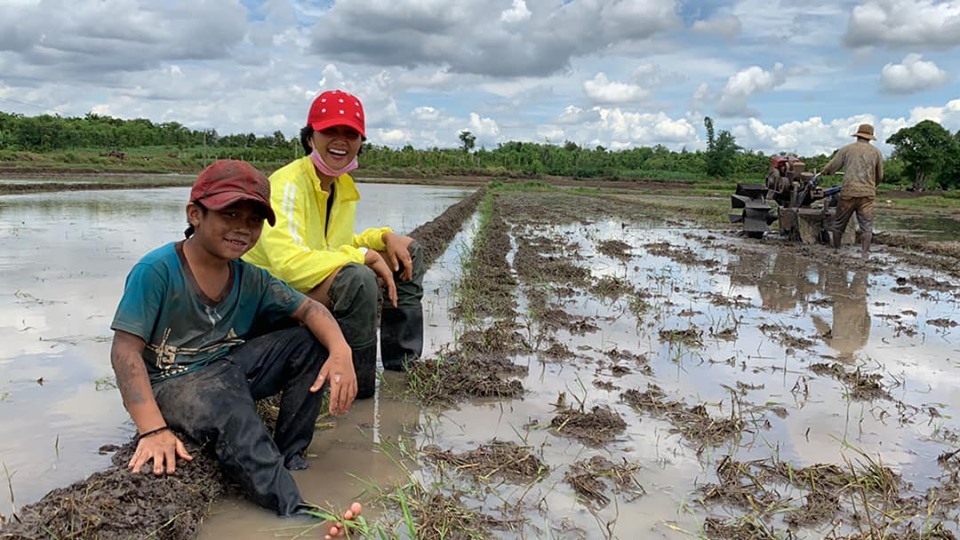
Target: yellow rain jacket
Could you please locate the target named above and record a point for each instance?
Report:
(304, 248)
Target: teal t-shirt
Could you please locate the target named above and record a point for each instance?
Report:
(183, 328)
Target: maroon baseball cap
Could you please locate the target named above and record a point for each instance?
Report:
(228, 181)
(337, 108)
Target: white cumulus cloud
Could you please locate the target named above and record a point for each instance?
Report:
(601, 89)
(912, 75)
(630, 129)
(483, 128)
(746, 83)
(905, 23)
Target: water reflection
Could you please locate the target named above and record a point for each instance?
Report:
(787, 282)
(850, 329)
(929, 227)
(783, 280)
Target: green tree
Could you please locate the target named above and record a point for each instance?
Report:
(928, 150)
(721, 151)
(467, 141)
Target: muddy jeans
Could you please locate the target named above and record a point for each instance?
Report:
(215, 405)
(354, 296)
(862, 206)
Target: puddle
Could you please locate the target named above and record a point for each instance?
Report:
(935, 228)
(63, 265)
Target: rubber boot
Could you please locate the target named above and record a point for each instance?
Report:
(401, 336)
(837, 238)
(865, 245)
(365, 365)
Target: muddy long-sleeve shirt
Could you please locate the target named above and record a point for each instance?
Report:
(862, 165)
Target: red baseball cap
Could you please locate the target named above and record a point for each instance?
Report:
(337, 108)
(228, 181)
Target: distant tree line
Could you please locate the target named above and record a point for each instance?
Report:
(925, 155)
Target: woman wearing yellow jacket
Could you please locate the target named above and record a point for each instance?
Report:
(313, 246)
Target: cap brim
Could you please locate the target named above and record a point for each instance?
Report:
(324, 124)
(220, 201)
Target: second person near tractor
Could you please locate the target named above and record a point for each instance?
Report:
(313, 246)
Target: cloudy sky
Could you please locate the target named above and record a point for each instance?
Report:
(781, 76)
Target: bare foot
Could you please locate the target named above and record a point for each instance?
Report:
(339, 529)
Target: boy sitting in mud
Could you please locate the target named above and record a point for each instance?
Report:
(183, 360)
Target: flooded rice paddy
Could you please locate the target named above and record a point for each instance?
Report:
(64, 260)
(593, 370)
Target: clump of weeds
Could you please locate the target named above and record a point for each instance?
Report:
(594, 428)
(586, 477)
(498, 458)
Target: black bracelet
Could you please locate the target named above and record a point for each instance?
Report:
(152, 432)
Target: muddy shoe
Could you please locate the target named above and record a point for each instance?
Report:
(296, 463)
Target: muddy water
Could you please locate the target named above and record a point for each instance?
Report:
(761, 364)
(63, 261)
(936, 228)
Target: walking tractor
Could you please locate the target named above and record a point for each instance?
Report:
(791, 197)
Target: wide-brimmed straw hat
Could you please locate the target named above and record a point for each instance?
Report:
(865, 131)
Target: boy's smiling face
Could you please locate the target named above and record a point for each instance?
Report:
(337, 145)
(228, 233)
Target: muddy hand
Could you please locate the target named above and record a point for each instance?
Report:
(339, 373)
(163, 449)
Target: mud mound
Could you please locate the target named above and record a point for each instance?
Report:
(434, 236)
(118, 504)
(863, 386)
(595, 428)
(586, 477)
(499, 458)
(448, 379)
(694, 423)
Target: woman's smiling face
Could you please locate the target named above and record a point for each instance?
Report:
(337, 145)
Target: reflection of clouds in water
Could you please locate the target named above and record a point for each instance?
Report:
(830, 427)
(60, 425)
(403, 207)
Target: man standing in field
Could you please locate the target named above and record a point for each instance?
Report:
(862, 164)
